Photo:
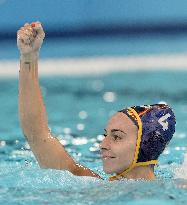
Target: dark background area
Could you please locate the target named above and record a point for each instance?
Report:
(72, 18)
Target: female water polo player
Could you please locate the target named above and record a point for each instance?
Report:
(134, 137)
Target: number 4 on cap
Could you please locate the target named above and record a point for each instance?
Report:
(163, 121)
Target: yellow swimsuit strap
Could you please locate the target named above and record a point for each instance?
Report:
(133, 112)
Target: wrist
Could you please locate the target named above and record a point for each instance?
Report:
(29, 57)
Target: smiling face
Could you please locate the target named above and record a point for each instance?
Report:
(118, 146)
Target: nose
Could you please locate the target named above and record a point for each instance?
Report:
(105, 144)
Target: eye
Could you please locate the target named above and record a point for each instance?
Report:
(116, 137)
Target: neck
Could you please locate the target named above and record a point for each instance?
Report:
(141, 172)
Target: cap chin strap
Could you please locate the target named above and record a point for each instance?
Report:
(132, 112)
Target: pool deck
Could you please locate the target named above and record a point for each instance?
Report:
(100, 64)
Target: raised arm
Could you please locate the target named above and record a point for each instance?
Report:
(33, 118)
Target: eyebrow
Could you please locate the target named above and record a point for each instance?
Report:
(116, 130)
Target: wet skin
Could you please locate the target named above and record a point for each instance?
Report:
(118, 146)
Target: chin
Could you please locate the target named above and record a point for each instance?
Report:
(108, 170)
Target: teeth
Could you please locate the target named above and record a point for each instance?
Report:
(108, 158)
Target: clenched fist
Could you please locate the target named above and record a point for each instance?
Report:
(30, 38)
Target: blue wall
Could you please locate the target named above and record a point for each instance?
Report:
(80, 14)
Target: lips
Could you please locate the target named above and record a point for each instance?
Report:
(107, 157)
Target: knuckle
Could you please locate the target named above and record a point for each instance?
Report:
(27, 32)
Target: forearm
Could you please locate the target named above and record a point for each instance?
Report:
(32, 113)
(33, 119)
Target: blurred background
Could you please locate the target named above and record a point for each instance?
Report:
(69, 18)
(97, 27)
